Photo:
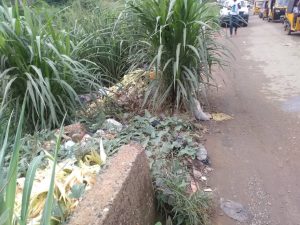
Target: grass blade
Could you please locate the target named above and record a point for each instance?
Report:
(4, 217)
(13, 167)
(47, 212)
(30, 175)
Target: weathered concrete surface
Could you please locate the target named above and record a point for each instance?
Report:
(123, 193)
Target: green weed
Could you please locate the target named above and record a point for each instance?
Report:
(179, 40)
(38, 58)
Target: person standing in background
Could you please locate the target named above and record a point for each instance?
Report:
(234, 7)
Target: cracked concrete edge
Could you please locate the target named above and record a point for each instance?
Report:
(123, 193)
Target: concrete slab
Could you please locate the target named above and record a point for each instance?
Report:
(123, 193)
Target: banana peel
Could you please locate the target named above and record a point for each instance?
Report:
(69, 172)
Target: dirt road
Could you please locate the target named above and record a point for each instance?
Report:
(256, 156)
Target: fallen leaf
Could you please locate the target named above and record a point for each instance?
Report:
(221, 117)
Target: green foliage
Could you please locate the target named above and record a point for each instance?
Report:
(180, 44)
(108, 40)
(49, 204)
(77, 191)
(39, 58)
(8, 182)
(168, 142)
(56, 1)
(170, 137)
(187, 209)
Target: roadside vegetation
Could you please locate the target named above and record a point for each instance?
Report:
(64, 62)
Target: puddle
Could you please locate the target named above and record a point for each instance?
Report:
(292, 104)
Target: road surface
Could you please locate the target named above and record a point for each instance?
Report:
(256, 156)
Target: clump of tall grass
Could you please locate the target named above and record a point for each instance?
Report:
(8, 181)
(183, 208)
(40, 58)
(108, 40)
(180, 44)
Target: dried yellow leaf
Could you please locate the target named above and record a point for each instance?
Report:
(221, 117)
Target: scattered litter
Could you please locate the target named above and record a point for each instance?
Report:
(203, 178)
(221, 117)
(103, 155)
(235, 210)
(69, 145)
(207, 190)
(105, 209)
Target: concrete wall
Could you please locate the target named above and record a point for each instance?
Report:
(123, 193)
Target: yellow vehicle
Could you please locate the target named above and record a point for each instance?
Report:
(264, 10)
(292, 17)
(257, 6)
(277, 9)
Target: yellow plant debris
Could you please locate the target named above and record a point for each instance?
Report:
(221, 117)
(69, 172)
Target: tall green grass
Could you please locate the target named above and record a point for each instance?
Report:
(40, 58)
(8, 181)
(109, 41)
(179, 41)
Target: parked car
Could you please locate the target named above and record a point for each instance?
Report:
(243, 13)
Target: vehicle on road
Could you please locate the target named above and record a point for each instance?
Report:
(264, 11)
(292, 18)
(277, 9)
(243, 14)
(257, 6)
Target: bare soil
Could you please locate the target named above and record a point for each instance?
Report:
(256, 156)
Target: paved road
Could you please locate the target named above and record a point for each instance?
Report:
(256, 156)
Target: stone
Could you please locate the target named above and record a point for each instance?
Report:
(197, 174)
(69, 145)
(77, 137)
(113, 124)
(87, 98)
(208, 169)
(86, 137)
(100, 132)
(235, 210)
(155, 123)
(201, 154)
